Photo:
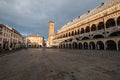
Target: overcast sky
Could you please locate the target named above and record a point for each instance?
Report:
(32, 16)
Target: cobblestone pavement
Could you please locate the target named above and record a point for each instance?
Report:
(60, 64)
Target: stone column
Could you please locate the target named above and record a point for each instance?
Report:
(105, 47)
(98, 47)
(116, 23)
(117, 45)
(105, 28)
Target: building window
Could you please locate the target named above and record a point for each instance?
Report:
(93, 27)
(87, 29)
(100, 26)
(110, 23)
(118, 21)
(82, 30)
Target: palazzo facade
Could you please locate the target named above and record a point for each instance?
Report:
(35, 41)
(10, 38)
(98, 29)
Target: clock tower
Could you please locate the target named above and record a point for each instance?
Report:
(51, 28)
(51, 34)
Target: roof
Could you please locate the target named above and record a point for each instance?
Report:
(101, 7)
(51, 22)
(10, 28)
(32, 35)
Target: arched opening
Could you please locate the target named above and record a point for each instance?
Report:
(77, 39)
(98, 36)
(66, 34)
(80, 46)
(40, 46)
(70, 46)
(93, 27)
(111, 45)
(85, 38)
(5, 45)
(59, 46)
(117, 33)
(35, 46)
(85, 45)
(70, 40)
(82, 30)
(110, 23)
(100, 26)
(75, 45)
(119, 45)
(78, 31)
(118, 21)
(29, 46)
(100, 45)
(65, 40)
(87, 29)
(66, 46)
(75, 32)
(92, 45)
(72, 33)
(11, 45)
(69, 34)
(63, 45)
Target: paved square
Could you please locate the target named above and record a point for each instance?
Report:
(60, 64)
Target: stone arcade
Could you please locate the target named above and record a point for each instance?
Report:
(98, 29)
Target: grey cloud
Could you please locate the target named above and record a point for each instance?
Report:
(33, 15)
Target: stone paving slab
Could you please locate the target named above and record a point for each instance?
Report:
(60, 64)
